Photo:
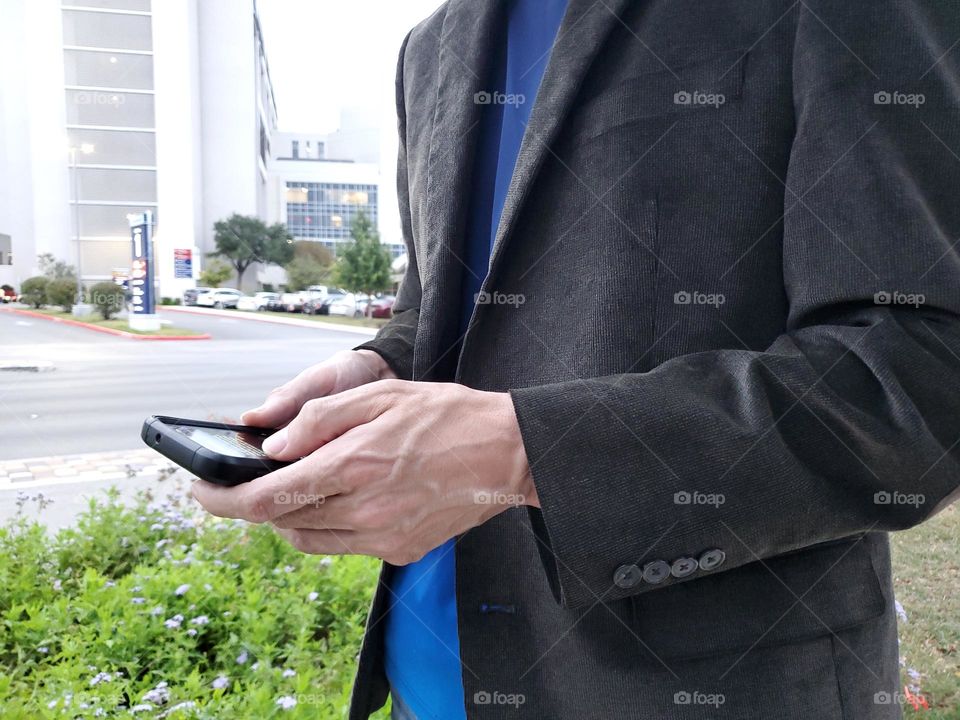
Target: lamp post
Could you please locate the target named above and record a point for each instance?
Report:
(80, 308)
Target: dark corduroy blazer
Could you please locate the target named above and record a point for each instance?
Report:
(736, 366)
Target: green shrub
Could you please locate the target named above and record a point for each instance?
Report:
(33, 291)
(108, 298)
(157, 604)
(62, 292)
(170, 301)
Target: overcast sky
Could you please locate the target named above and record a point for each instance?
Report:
(326, 54)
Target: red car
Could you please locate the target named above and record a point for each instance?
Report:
(8, 294)
(382, 307)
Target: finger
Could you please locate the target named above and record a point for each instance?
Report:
(283, 403)
(303, 483)
(333, 513)
(323, 542)
(322, 419)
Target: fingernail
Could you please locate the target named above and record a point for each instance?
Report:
(275, 444)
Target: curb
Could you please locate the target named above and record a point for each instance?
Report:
(99, 328)
(265, 317)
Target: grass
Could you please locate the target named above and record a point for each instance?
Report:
(116, 323)
(926, 571)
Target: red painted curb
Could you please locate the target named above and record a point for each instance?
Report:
(99, 328)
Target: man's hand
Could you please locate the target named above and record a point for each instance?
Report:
(344, 370)
(390, 469)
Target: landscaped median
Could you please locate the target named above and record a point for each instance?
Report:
(360, 326)
(115, 326)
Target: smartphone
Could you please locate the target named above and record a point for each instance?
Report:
(216, 452)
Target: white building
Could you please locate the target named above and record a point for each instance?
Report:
(162, 106)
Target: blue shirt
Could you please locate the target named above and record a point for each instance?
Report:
(422, 646)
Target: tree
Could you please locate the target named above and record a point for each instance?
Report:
(244, 240)
(63, 292)
(33, 291)
(364, 264)
(301, 274)
(54, 269)
(215, 274)
(108, 298)
(312, 264)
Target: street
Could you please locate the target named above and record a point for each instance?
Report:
(103, 386)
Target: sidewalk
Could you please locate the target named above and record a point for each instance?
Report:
(32, 473)
(267, 316)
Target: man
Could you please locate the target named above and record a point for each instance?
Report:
(713, 354)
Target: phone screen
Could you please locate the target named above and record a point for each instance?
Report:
(226, 442)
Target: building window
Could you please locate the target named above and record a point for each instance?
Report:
(295, 149)
(327, 210)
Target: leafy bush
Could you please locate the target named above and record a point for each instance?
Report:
(108, 298)
(170, 301)
(33, 291)
(62, 292)
(136, 611)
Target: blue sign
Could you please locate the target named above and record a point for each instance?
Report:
(141, 273)
(183, 263)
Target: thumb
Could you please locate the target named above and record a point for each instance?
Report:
(323, 419)
(283, 403)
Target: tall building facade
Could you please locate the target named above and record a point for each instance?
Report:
(112, 107)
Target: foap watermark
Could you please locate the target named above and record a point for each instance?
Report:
(698, 498)
(884, 97)
(896, 297)
(916, 700)
(696, 697)
(499, 298)
(695, 297)
(483, 497)
(499, 98)
(299, 499)
(484, 697)
(699, 97)
(96, 97)
(883, 497)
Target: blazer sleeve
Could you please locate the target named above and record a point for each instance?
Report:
(394, 341)
(849, 421)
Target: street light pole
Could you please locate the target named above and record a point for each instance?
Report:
(79, 308)
(76, 222)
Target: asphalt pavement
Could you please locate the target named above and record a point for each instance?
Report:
(102, 387)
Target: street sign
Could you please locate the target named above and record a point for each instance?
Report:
(141, 273)
(183, 263)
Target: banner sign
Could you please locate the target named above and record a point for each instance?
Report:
(141, 273)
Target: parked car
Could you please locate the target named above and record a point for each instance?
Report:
(219, 298)
(190, 295)
(321, 306)
(257, 302)
(8, 294)
(292, 301)
(350, 305)
(382, 307)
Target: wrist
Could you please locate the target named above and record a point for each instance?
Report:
(521, 479)
(376, 364)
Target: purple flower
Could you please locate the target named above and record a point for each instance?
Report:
(313, 596)
(242, 658)
(174, 622)
(289, 673)
(200, 620)
(138, 600)
(221, 682)
(182, 590)
(286, 702)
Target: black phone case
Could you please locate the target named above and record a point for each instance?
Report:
(203, 462)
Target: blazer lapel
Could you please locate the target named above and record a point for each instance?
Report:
(581, 36)
(468, 36)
